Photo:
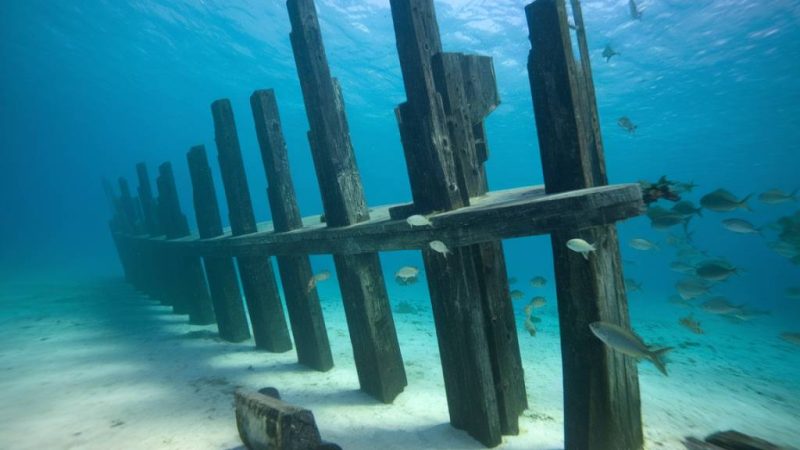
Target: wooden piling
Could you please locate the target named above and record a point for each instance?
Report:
(305, 313)
(188, 285)
(223, 283)
(149, 207)
(601, 390)
(151, 257)
(258, 278)
(369, 316)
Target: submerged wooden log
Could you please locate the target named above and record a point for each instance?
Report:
(602, 408)
(305, 313)
(258, 277)
(267, 423)
(369, 316)
(184, 272)
(220, 271)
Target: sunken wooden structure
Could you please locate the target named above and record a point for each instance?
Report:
(445, 145)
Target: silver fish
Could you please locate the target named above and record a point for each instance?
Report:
(740, 226)
(642, 244)
(627, 124)
(538, 282)
(690, 288)
(628, 343)
(723, 201)
(714, 270)
(776, 196)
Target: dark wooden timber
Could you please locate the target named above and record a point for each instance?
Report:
(149, 208)
(185, 272)
(372, 332)
(127, 205)
(305, 313)
(258, 277)
(220, 271)
(734, 440)
(601, 389)
(267, 423)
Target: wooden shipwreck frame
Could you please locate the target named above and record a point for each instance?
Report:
(445, 145)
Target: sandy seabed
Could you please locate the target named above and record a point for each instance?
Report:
(100, 366)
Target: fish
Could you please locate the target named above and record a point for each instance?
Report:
(318, 278)
(681, 267)
(784, 249)
(740, 226)
(723, 201)
(530, 327)
(516, 294)
(628, 343)
(721, 306)
(538, 302)
(581, 246)
(715, 270)
(418, 221)
(792, 338)
(686, 208)
(636, 14)
(439, 247)
(685, 187)
(528, 310)
(691, 324)
(632, 285)
(406, 275)
(627, 124)
(512, 280)
(690, 288)
(777, 196)
(793, 292)
(609, 52)
(538, 281)
(668, 220)
(642, 244)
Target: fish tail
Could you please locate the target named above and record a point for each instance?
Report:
(744, 204)
(656, 357)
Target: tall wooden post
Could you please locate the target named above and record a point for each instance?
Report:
(601, 389)
(443, 139)
(258, 278)
(189, 291)
(149, 208)
(369, 316)
(305, 313)
(150, 254)
(220, 271)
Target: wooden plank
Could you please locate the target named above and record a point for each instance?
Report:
(305, 312)
(223, 283)
(187, 284)
(258, 277)
(369, 317)
(602, 409)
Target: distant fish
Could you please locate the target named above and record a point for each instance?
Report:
(538, 281)
(512, 280)
(681, 267)
(723, 201)
(668, 221)
(690, 288)
(632, 285)
(792, 338)
(740, 226)
(418, 221)
(318, 278)
(516, 294)
(439, 247)
(627, 124)
(776, 196)
(530, 327)
(608, 52)
(581, 246)
(636, 14)
(685, 187)
(785, 249)
(715, 270)
(626, 342)
(686, 208)
(691, 324)
(642, 244)
(538, 302)
(406, 275)
(721, 306)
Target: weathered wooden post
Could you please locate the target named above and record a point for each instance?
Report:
(258, 278)
(369, 316)
(188, 288)
(149, 208)
(118, 227)
(220, 271)
(445, 149)
(151, 254)
(305, 313)
(601, 389)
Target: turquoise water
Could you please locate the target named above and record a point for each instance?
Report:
(90, 88)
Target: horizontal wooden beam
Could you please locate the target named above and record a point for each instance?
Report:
(502, 214)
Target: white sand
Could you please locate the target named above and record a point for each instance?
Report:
(97, 366)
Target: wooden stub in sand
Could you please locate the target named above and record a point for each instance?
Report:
(369, 317)
(266, 423)
(302, 303)
(602, 408)
(185, 272)
(220, 271)
(258, 278)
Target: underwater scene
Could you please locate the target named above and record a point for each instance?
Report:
(400, 224)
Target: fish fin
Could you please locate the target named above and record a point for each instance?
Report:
(744, 204)
(585, 255)
(656, 357)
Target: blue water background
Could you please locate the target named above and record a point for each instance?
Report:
(90, 88)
